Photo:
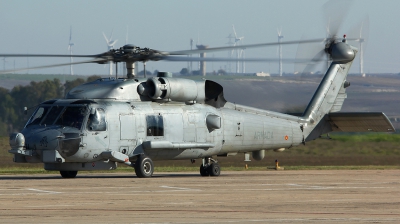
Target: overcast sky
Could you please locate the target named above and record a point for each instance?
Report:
(44, 27)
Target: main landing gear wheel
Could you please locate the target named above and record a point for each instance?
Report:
(144, 167)
(68, 174)
(214, 169)
(204, 171)
(210, 168)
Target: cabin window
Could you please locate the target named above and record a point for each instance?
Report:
(97, 120)
(155, 125)
(72, 117)
(37, 116)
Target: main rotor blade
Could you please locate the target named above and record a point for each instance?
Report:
(51, 66)
(185, 58)
(188, 52)
(48, 55)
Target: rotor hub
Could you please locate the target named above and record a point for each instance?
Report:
(342, 52)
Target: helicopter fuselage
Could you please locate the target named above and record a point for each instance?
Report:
(162, 131)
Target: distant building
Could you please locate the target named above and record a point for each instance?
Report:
(263, 74)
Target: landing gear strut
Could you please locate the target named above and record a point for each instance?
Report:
(144, 166)
(210, 167)
(68, 174)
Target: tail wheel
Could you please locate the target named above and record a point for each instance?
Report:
(144, 167)
(214, 169)
(68, 174)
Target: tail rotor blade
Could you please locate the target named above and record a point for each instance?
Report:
(335, 12)
(360, 32)
(310, 67)
(309, 51)
(105, 37)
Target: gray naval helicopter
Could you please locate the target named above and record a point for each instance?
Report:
(134, 121)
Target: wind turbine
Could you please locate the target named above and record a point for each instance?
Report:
(363, 35)
(27, 63)
(238, 52)
(190, 63)
(242, 55)
(110, 45)
(4, 63)
(361, 56)
(126, 42)
(280, 37)
(70, 50)
(230, 43)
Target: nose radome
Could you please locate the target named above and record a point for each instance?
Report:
(69, 144)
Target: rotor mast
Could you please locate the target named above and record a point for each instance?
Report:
(130, 69)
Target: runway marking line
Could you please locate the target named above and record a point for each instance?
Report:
(307, 188)
(43, 191)
(309, 220)
(38, 191)
(180, 188)
(203, 211)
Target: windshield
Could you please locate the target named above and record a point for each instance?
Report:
(72, 117)
(37, 115)
(52, 115)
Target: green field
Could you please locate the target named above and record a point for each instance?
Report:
(366, 151)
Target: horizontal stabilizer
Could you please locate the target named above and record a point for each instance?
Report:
(360, 122)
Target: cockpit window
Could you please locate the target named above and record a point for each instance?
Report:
(37, 116)
(52, 115)
(97, 120)
(72, 117)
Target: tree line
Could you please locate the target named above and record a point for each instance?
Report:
(12, 102)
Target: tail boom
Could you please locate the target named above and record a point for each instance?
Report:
(331, 92)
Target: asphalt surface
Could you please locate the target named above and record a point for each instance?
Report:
(361, 196)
